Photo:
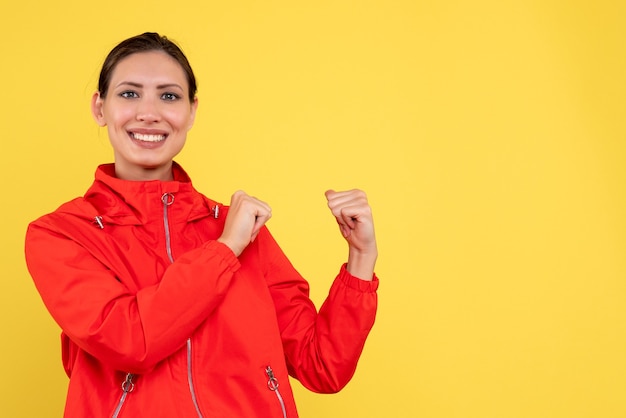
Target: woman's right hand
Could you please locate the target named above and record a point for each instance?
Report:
(246, 216)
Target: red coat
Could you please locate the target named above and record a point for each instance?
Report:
(161, 320)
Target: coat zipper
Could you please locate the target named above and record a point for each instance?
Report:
(127, 386)
(167, 200)
(272, 384)
(190, 379)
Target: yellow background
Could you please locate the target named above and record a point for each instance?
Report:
(489, 135)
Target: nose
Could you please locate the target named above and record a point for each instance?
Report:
(148, 110)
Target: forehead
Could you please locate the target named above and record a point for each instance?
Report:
(148, 66)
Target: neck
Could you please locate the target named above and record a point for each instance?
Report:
(162, 173)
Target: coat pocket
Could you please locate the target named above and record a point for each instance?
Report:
(272, 384)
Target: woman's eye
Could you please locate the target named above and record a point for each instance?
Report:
(129, 94)
(170, 96)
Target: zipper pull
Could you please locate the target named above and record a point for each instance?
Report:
(216, 211)
(128, 385)
(98, 221)
(272, 383)
(167, 199)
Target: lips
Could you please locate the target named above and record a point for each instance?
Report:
(148, 137)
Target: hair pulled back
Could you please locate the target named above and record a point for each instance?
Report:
(146, 42)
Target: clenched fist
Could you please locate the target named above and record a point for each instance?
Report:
(354, 216)
(246, 216)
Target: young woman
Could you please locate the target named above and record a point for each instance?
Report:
(172, 305)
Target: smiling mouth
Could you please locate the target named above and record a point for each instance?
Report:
(147, 137)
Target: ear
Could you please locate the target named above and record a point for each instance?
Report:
(192, 116)
(97, 104)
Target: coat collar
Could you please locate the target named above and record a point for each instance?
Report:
(126, 202)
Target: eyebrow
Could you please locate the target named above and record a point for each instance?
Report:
(139, 85)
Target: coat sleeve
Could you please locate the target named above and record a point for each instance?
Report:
(130, 331)
(322, 349)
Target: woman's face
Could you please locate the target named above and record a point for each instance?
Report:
(148, 113)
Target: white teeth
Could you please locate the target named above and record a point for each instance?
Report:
(148, 138)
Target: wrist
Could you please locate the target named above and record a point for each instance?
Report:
(232, 247)
(361, 263)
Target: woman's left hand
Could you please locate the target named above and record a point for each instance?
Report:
(354, 216)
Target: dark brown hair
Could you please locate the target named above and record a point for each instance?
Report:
(145, 42)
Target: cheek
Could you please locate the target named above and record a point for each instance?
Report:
(118, 117)
(180, 120)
